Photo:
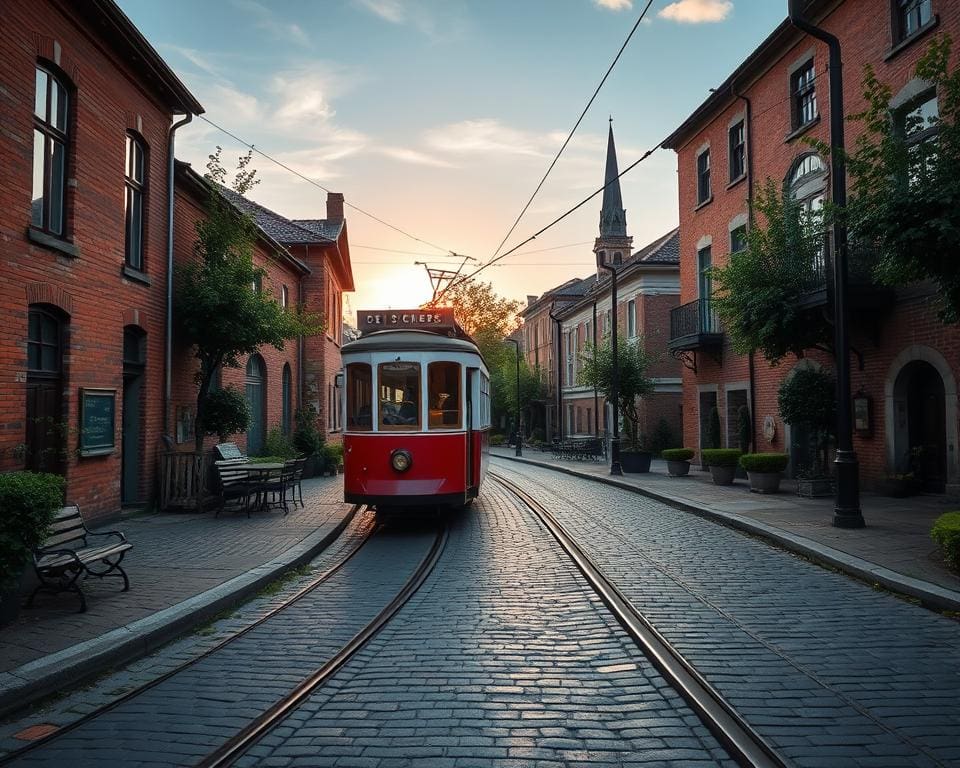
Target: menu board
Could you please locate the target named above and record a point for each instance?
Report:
(98, 409)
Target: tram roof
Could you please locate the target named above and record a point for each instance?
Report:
(410, 341)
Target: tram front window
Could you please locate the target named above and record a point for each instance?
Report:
(399, 389)
(443, 381)
(359, 397)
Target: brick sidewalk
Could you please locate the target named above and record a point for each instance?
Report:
(896, 536)
(175, 557)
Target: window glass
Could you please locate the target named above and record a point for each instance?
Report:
(359, 397)
(703, 176)
(36, 209)
(443, 392)
(40, 96)
(737, 152)
(58, 106)
(804, 95)
(399, 394)
(738, 239)
(56, 187)
(913, 15)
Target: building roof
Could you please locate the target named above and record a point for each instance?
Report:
(107, 20)
(328, 228)
(279, 227)
(665, 250)
(613, 218)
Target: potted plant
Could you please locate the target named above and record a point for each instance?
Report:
(307, 440)
(678, 461)
(29, 501)
(722, 463)
(764, 470)
(807, 399)
(633, 363)
(946, 532)
(711, 438)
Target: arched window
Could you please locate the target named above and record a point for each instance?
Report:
(134, 192)
(44, 438)
(50, 119)
(256, 389)
(807, 185)
(285, 415)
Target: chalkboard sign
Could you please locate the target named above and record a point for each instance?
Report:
(98, 409)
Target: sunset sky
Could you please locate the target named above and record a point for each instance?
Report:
(440, 116)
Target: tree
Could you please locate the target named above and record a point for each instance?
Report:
(905, 174)
(479, 310)
(503, 380)
(759, 292)
(596, 371)
(218, 310)
(809, 397)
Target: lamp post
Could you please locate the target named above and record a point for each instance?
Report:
(615, 468)
(846, 512)
(519, 430)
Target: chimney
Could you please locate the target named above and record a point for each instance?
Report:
(531, 299)
(335, 206)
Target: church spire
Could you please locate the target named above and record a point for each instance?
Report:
(613, 218)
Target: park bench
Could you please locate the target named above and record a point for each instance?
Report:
(579, 448)
(69, 552)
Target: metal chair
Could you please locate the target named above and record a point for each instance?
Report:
(296, 482)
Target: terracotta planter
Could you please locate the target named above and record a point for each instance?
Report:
(678, 468)
(635, 461)
(765, 482)
(723, 475)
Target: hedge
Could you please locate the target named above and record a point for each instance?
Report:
(721, 457)
(677, 454)
(764, 462)
(28, 503)
(946, 532)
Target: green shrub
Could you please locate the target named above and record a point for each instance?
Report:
(764, 462)
(306, 437)
(662, 437)
(28, 501)
(334, 452)
(744, 427)
(946, 532)
(721, 457)
(279, 444)
(713, 429)
(497, 439)
(677, 454)
(225, 412)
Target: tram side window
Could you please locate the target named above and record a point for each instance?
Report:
(399, 384)
(484, 401)
(443, 382)
(359, 397)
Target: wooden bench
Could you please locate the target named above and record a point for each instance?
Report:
(233, 482)
(67, 554)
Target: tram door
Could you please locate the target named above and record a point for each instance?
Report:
(471, 379)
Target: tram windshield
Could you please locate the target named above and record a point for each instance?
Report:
(443, 382)
(399, 389)
(359, 397)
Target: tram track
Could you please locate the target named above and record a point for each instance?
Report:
(247, 735)
(745, 746)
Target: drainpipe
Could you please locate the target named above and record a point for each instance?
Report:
(751, 363)
(556, 321)
(168, 341)
(301, 341)
(846, 513)
(596, 395)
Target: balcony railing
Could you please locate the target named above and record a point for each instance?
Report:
(694, 324)
(861, 260)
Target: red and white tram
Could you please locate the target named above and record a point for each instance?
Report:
(416, 411)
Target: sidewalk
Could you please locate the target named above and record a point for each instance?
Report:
(184, 568)
(894, 550)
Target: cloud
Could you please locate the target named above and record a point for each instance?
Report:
(388, 10)
(697, 11)
(487, 136)
(615, 5)
(266, 19)
(412, 156)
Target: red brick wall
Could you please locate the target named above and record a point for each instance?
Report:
(864, 31)
(105, 101)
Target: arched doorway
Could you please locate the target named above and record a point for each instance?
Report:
(45, 448)
(134, 363)
(256, 390)
(920, 435)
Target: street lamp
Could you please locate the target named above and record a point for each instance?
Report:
(846, 512)
(615, 468)
(519, 430)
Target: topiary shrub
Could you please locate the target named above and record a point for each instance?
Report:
(225, 412)
(744, 427)
(946, 532)
(306, 437)
(713, 429)
(279, 444)
(28, 501)
(677, 454)
(721, 457)
(764, 462)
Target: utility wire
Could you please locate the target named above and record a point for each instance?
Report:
(317, 184)
(575, 125)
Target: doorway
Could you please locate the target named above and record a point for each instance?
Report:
(45, 441)
(920, 425)
(256, 387)
(134, 363)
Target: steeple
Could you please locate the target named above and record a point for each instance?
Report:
(613, 218)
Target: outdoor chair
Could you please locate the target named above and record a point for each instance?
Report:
(296, 482)
(274, 488)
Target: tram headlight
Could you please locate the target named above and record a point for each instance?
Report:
(401, 460)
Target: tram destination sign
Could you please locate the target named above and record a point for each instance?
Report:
(440, 319)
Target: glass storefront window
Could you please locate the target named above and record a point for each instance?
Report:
(443, 383)
(359, 397)
(399, 395)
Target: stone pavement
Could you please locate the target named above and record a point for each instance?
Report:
(183, 569)
(894, 550)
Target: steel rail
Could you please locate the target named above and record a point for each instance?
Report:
(248, 736)
(134, 692)
(747, 747)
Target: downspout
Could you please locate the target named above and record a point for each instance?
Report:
(596, 395)
(751, 363)
(556, 320)
(168, 341)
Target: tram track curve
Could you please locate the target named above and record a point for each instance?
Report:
(747, 747)
(234, 745)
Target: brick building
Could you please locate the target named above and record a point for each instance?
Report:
(752, 128)
(86, 153)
